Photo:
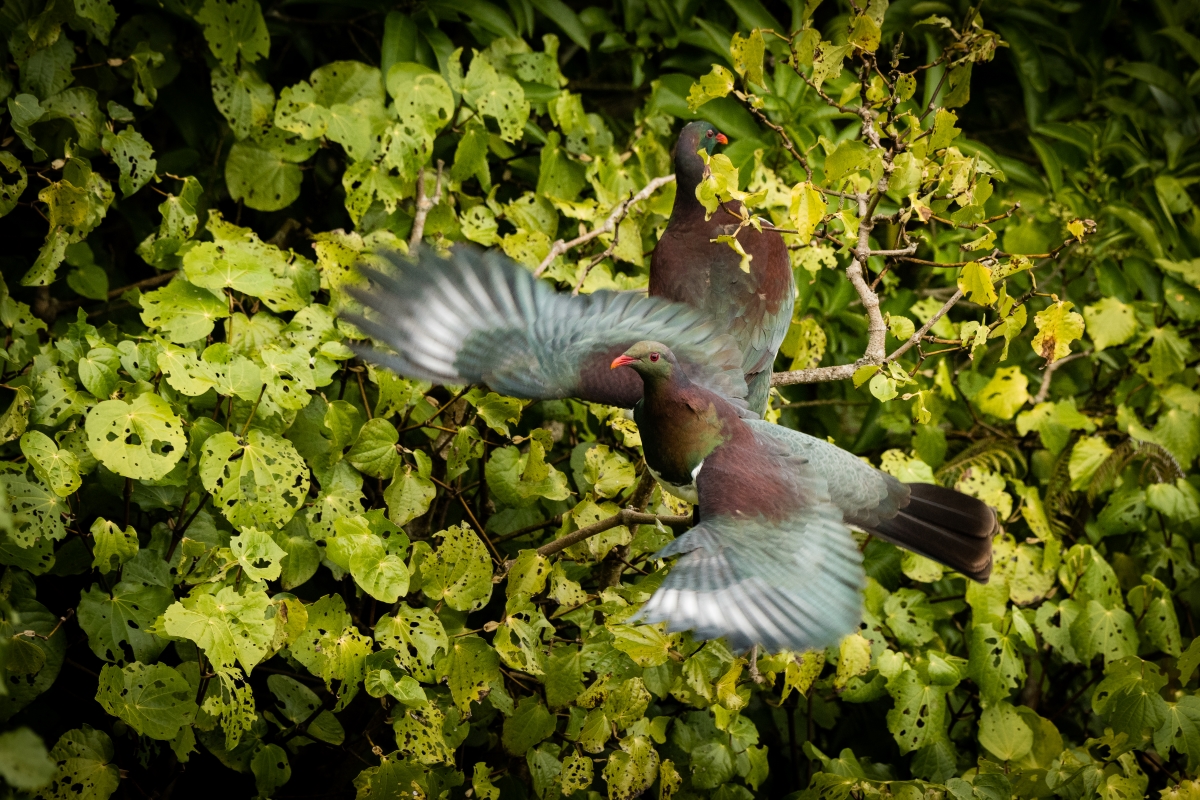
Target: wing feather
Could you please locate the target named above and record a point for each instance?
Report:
(480, 318)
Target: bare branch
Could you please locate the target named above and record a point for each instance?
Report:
(626, 516)
(924, 329)
(425, 204)
(1048, 374)
(560, 247)
(844, 371)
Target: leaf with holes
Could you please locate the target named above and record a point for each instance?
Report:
(85, 768)
(182, 311)
(259, 481)
(58, 469)
(229, 627)
(257, 554)
(417, 636)
(142, 440)
(154, 700)
(459, 572)
(118, 622)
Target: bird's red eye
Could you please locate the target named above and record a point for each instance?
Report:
(654, 356)
(709, 134)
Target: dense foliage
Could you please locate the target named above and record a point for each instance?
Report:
(238, 559)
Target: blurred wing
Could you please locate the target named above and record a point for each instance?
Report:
(480, 318)
(939, 523)
(771, 562)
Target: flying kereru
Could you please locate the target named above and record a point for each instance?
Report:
(771, 561)
(688, 266)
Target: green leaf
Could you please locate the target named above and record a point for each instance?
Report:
(495, 410)
(716, 84)
(1109, 322)
(98, 371)
(1128, 698)
(142, 440)
(229, 627)
(58, 469)
(24, 762)
(848, 157)
(854, 658)
(298, 703)
(1100, 631)
(133, 156)
(271, 769)
(633, 769)
(975, 281)
(257, 554)
(182, 311)
(155, 700)
(411, 491)
(10, 193)
(1180, 730)
(382, 575)
(645, 644)
(497, 96)
(119, 622)
(256, 481)
(331, 647)
(1004, 733)
(919, 715)
(910, 616)
(529, 724)
(111, 546)
(422, 96)
(243, 98)
(235, 29)
(1057, 326)
(747, 53)
(374, 450)
(471, 669)
(806, 209)
(995, 662)
(417, 635)
(1005, 394)
(37, 513)
(263, 179)
(1086, 457)
(459, 572)
(85, 770)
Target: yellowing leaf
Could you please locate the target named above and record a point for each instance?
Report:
(1109, 322)
(975, 281)
(806, 209)
(1005, 394)
(1057, 326)
(717, 83)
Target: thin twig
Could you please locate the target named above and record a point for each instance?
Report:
(560, 247)
(1048, 373)
(425, 204)
(113, 294)
(625, 516)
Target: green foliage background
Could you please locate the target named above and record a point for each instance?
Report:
(237, 559)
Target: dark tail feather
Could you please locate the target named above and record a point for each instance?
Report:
(947, 526)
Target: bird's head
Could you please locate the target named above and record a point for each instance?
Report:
(649, 359)
(702, 135)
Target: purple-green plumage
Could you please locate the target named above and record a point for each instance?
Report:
(689, 267)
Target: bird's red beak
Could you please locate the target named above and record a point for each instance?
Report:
(722, 138)
(621, 361)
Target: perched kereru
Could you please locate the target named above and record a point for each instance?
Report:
(689, 267)
(771, 561)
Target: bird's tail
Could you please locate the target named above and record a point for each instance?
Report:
(947, 526)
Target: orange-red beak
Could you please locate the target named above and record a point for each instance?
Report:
(722, 138)
(622, 361)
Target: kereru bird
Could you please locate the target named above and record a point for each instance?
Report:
(689, 267)
(772, 561)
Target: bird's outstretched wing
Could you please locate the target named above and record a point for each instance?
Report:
(480, 318)
(771, 561)
(939, 523)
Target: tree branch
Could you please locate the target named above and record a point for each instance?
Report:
(626, 516)
(1048, 373)
(560, 247)
(425, 204)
